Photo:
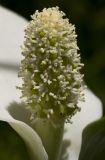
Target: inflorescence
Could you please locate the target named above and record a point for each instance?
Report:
(52, 82)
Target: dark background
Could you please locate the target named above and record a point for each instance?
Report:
(89, 19)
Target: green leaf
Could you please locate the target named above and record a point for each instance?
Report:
(30, 137)
(12, 147)
(93, 141)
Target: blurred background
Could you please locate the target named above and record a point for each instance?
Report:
(89, 19)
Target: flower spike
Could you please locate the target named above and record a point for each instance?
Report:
(52, 82)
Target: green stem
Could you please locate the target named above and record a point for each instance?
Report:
(51, 137)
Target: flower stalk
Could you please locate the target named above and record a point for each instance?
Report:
(51, 137)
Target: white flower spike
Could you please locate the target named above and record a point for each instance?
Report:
(52, 83)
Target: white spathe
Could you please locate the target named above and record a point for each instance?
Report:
(11, 37)
(91, 110)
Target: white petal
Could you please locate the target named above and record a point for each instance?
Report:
(11, 37)
(30, 137)
(91, 110)
(8, 91)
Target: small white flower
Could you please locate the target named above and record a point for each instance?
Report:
(55, 70)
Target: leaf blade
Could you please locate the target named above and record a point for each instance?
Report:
(30, 137)
(93, 142)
